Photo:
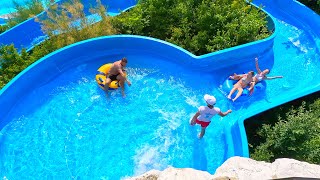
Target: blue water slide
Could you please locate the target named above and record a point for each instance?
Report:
(28, 33)
(292, 51)
(306, 23)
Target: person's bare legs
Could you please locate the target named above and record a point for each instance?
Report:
(192, 122)
(106, 86)
(203, 131)
(121, 82)
(240, 90)
(232, 91)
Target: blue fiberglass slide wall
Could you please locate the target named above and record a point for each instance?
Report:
(28, 33)
(24, 35)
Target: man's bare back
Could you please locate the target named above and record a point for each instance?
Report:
(116, 68)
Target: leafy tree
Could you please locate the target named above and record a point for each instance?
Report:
(11, 63)
(3, 28)
(294, 136)
(199, 26)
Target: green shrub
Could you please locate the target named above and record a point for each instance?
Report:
(3, 28)
(294, 136)
(198, 26)
(11, 63)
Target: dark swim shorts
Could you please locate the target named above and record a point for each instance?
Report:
(113, 77)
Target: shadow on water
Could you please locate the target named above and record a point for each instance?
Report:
(290, 45)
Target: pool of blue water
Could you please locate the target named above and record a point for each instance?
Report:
(296, 59)
(69, 128)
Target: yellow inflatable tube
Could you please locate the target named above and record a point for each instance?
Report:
(101, 77)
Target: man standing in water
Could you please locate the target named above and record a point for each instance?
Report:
(116, 72)
(205, 113)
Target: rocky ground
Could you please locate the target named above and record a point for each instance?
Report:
(239, 168)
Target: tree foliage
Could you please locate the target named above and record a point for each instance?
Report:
(23, 12)
(67, 23)
(297, 135)
(11, 63)
(199, 26)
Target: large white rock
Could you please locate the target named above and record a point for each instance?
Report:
(150, 175)
(239, 168)
(284, 167)
(245, 168)
(175, 173)
(248, 169)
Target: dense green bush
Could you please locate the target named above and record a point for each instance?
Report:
(3, 28)
(198, 26)
(12, 63)
(295, 135)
